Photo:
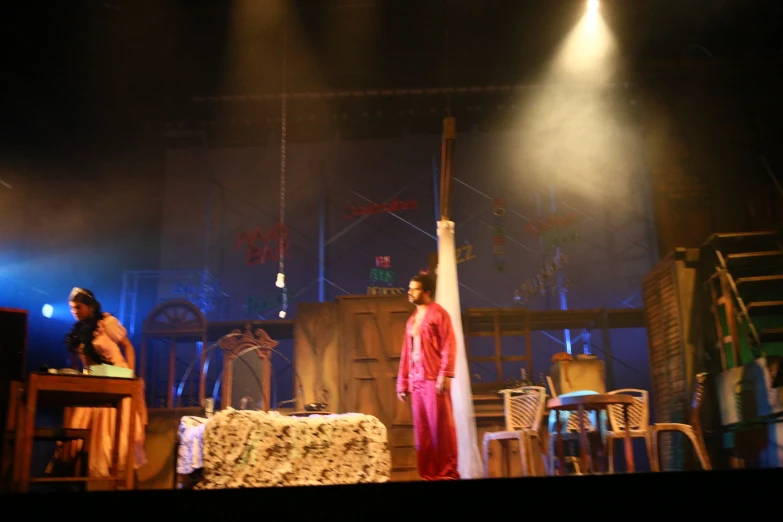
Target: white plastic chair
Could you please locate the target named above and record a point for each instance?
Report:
(638, 423)
(523, 409)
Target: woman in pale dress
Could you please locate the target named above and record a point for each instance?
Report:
(96, 338)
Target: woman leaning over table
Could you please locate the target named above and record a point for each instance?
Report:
(97, 338)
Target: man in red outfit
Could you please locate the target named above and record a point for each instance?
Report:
(426, 369)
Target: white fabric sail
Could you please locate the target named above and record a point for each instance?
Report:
(447, 295)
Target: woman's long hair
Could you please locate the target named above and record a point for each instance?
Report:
(83, 332)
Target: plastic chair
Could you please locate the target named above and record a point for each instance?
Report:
(638, 420)
(523, 409)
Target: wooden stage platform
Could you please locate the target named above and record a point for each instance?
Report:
(677, 493)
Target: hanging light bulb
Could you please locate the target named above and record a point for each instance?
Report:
(280, 283)
(282, 314)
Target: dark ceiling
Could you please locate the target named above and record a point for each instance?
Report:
(89, 63)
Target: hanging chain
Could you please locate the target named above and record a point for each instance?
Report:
(282, 184)
(283, 120)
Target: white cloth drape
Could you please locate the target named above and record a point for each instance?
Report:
(447, 295)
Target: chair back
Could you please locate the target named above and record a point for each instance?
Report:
(698, 397)
(638, 412)
(523, 407)
(572, 425)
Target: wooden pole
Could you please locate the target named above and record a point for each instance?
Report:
(447, 153)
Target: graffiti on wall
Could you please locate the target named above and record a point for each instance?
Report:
(366, 209)
(386, 290)
(546, 282)
(254, 306)
(556, 231)
(499, 235)
(263, 244)
(465, 253)
(382, 273)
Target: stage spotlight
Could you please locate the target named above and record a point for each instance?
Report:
(592, 5)
(47, 311)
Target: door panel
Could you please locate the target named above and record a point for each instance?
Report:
(372, 331)
(373, 328)
(368, 344)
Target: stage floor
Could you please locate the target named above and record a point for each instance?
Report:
(675, 493)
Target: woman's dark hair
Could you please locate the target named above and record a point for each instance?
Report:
(83, 332)
(426, 279)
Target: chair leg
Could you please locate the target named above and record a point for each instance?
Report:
(544, 460)
(700, 450)
(552, 467)
(535, 447)
(485, 451)
(650, 456)
(540, 452)
(610, 452)
(655, 451)
(531, 462)
(523, 454)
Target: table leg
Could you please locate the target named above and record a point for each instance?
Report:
(559, 443)
(585, 463)
(18, 443)
(628, 446)
(130, 461)
(26, 440)
(115, 451)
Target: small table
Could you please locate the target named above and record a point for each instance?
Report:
(582, 404)
(73, 391)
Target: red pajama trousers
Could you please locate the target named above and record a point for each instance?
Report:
(434, 432)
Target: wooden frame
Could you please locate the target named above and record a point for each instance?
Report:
(500, 322)
(176, 321)
(234, 345)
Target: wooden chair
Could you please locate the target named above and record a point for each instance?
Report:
(693, 430)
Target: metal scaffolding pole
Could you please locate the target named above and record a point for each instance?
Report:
(324, 204)
(447, 154)
(561, 295)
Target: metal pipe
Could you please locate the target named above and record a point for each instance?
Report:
(436, 189)
(322, 244)
(447, 153)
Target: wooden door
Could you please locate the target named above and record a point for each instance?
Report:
(371, 335)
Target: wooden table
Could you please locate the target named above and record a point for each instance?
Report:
(582, 404)
(45, 389)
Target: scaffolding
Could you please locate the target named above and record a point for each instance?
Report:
(620, 240)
